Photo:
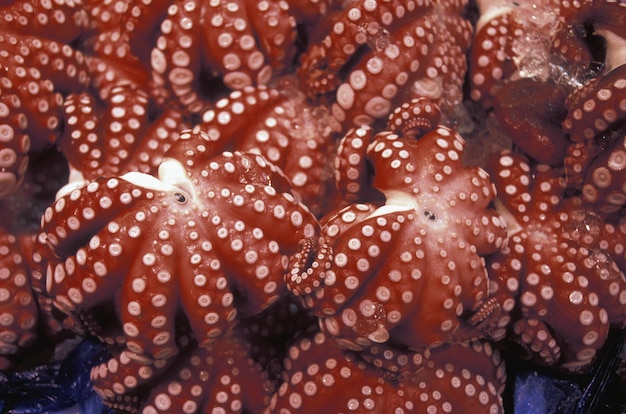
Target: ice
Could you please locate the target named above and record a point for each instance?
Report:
(532, 48)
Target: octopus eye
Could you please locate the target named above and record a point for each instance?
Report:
(429, 215)
(180, 197)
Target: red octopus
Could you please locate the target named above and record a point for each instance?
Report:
(240, 43)
(115, 135)
(410, 271)
(20, 320)
(279, 124)
(210, 237)
(39, 69)
(379, 54)
(559, 279)
(534, 40)
(219, 377)
(323, 377)
(353, 179)
(596, 112)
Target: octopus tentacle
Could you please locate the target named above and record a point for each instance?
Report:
(302, 279)
(324, 377)
(355, 27)
(281, 126)
(175, 62)
(366, 96)
(592, 109)
(352, 177)
(231, 47)
(154, 318)
(602, 186)
(117, 379)
(31, 102)
(414, 118)
(556, 269)
(19, 315)
(535, 336)
(275, 28)
(63, 21)
(220, 376)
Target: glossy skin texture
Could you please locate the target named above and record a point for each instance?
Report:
(559, 279)
(531, 113)
(391, 52)
(39, 69)
(324, 377)
(412, 270)
(210, 237)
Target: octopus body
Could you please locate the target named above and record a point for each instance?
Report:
(324, 377)
(559, 280)
(373, 58)
(412, 270)
(209, 238)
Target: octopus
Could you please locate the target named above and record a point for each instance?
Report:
(219, 377)
(22, 328)
(39, 69)
(115, 135)
(208, 238)
(412, 270)
(560, 279)
(279, 124)
(353, 178)
(536, 40)
(379, 54)
(324, 377)
(595, 116)
(239, 43)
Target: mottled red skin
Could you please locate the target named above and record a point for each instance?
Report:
(390, 53)
(559, 279)
(323, 377)
(410, 271)
(210, 240)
